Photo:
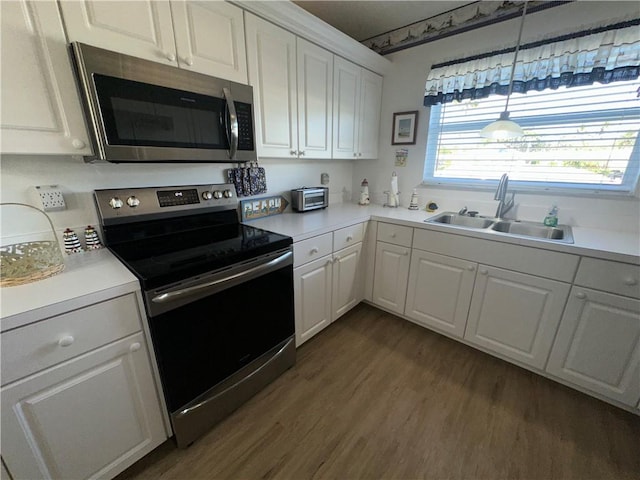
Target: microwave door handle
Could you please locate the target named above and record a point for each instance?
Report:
(233, 124)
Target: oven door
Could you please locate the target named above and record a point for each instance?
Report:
(229, 335)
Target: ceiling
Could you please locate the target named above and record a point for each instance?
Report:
(365, 19)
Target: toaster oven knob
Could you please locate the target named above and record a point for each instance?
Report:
(217, 194)
(133, 202)
(227, 193)
(207, 195)
(116, 203)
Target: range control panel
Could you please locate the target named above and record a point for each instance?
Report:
(123, 204)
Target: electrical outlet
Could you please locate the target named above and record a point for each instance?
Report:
(48, 197)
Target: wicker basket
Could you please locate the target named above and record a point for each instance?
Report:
(28, 262)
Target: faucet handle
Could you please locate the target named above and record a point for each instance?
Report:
(463, 210)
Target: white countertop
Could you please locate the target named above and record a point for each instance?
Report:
(592, 242)
(88, 277)
(94, 276)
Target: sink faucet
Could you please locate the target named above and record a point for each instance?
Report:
(504, 205)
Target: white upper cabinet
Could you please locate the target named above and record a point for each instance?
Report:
(356, 111)
(315, 100)
(346, 100)
(210, 38)
(206, 37)
(293, 92)
(41, 112)
(271, 58)
(138, 28)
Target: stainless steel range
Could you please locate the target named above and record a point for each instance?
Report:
(218, 296)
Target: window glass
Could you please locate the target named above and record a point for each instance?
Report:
(575, 138)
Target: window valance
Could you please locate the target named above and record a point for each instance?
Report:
(606, 56)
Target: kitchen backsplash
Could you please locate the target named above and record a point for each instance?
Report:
(78, 180)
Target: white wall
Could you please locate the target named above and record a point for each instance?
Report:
(78, 180)
(404, 90)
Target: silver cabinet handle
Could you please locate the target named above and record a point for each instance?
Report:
(170, 56)
(349, 238)
(581, 295)
(293, 152)
(188, 60)
(405, 253)
(630, 281)
(233, 127)
(471, 268)
(313, 251)
(484, 271)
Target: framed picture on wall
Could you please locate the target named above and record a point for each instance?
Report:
(404, 128)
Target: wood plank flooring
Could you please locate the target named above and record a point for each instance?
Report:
(374, 396)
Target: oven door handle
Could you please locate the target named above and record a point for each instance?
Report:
(215, 284)
(232, 134)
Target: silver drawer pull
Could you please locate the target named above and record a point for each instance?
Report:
(630, 281)
(581, 295)
(314, 250)
(66, 341)
(134, 347)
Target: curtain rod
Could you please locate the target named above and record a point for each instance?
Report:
(583, 33)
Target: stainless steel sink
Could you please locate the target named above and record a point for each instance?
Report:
(514, 228)
(537, 230)
(462, 220)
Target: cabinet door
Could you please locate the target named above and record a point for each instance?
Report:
(390, 279)
(598, 345)
(210, 38)
(439, 291)
(346, 108)
(315, 100)
(41, 111)
(139, 28)
(271, 58)
(514, 314)
(347, 280)
(370, 103)
(91, 416)
(312, 293)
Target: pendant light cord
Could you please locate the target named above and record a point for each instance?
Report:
(515, 56)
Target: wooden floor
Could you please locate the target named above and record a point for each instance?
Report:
(374, 396)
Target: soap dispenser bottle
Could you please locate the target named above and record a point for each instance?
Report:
(551, 220)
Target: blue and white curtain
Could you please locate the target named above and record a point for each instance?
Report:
(604, 57)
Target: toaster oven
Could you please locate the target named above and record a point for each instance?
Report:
(305, 198)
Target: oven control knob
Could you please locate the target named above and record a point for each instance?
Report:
(227, 193)
(207, 195)
(217, 194)
(133, 202)
(116, 203)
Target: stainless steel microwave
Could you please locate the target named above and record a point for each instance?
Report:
(142, 111)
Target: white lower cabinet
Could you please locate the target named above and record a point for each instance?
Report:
(391, 276)
(515, 314)
(331, 282)
(79, 408)
(312, 293)
(439, 292)
(347, 280)
(598, 345)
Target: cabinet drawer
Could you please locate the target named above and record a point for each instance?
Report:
(345, 237)
(43, 344)
(614, 277)
(396, 234)
(312, 249)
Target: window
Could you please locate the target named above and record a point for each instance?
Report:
(579, 138)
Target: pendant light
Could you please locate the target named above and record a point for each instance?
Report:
(503, 128)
